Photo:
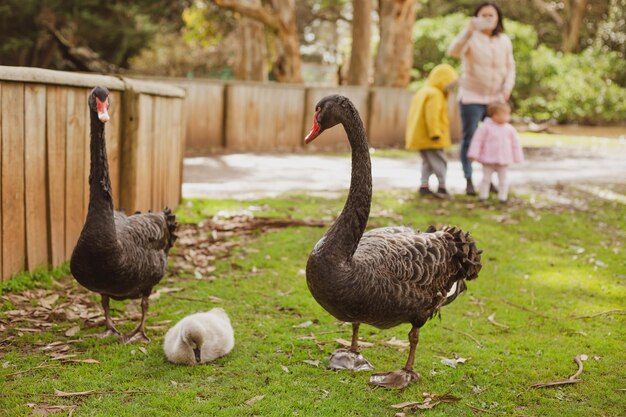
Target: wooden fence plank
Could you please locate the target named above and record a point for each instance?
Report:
(35, 176)
(128, 154)
(164, 152)
(389, 108)
(154, 142)
(75, 182)
(178, 128)
(204, 105)
(1, 273)
(13, 227)
(264, 118)
(112, 133)
(56, 120)
(85, 131)
(136, 154)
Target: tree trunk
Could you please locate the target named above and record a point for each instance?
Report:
(358, 73)
(288, 66)
(570, 24)
(574, 14)
(280, 17)
(395, 51)
(251, 59)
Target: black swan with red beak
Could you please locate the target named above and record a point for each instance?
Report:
(389, 275)
(118, 256)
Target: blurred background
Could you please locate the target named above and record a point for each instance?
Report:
(557, 44)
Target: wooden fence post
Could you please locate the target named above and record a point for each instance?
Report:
(13, 227)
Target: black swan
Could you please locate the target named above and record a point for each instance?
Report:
(389, 275)
(118, 256)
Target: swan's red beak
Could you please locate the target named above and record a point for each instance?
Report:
(103, 110)
(315, 130)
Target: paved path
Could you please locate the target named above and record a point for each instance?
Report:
(244, 176)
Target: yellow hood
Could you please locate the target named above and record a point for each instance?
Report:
(441, 76)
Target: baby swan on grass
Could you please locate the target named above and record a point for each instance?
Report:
(199, 338)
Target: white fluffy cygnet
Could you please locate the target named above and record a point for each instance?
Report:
(199, 338)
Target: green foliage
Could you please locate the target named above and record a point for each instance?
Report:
(580, 88)
(114, 30)
(431, 38)
(38, 278)
(538, 272)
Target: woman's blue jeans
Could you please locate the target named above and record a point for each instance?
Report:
(471, 115)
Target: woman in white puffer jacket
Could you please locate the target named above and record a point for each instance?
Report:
(487, 73)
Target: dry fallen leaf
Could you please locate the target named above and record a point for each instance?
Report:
(451, 362)
(143, 350)
(59, 393)
(254, 399)
(311, 362)
(400, 343)
(49, 301)
(284, 368)
(492, 320)
(81, 361)
(72, 331)
(344, 342)
(430, 400)
(45, 409)
(404, 404)
(62, 357)
(303, 325)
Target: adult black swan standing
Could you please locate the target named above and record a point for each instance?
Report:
(118, 256)
(389, 275)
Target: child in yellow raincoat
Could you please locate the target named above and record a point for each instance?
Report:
(428, 128)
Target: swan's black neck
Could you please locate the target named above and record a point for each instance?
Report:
(100, 194)
(344, 236)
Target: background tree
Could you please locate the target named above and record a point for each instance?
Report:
(360, 54)
(51, 33)
(395, 56)
(568, 16)
(252, 52)
(611, 33)
(278, 16)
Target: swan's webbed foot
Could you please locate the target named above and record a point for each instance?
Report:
(136, 335)
(350, 360)
(395, 379)
(108, 322)
(110, 331)
(140, 332)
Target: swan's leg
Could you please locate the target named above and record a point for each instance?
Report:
(405, 376)
(110, 328)
(354, 347)
(350, 359)
(140, 332)
(414, 336)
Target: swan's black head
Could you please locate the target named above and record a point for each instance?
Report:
(99, 102)
(328, 113)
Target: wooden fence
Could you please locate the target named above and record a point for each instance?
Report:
(44, 164)
(236, 116)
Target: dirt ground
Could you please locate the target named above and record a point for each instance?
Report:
(245, 176)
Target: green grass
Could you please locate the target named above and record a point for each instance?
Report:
(534, 279)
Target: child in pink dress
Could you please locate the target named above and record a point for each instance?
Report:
(496, 146)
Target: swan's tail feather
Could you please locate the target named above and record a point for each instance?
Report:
(170, 220)
(467, 254)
